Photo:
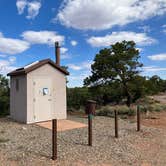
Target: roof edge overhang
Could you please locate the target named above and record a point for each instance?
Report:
(24, 71)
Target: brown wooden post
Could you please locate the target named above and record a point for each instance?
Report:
(138, 119)
(90, 129)
(90, 111)
(116, 123)
(54, 139)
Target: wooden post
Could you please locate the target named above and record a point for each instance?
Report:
(54, 139)
(116, 123)
(138, 119)
(90, 111)
(90, 129)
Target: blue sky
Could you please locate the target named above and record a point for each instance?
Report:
(29, 28)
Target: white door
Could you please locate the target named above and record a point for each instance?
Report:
(42, 99)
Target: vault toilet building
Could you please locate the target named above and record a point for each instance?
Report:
(38, 91)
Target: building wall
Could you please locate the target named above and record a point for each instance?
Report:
(58, 89)
(18, 98)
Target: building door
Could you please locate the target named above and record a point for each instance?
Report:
(42, 99)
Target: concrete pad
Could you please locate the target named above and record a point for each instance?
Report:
(146, 164)
(62, 125)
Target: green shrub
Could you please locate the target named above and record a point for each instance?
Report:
(3, 140)
(123, 111)
(4, 96)
(154, 107)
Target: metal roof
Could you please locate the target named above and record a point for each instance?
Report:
(30, 67)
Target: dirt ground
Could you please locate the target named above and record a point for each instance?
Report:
(157, 120)
(160, 97)
(31, 144)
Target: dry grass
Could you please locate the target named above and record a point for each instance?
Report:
(3, 140)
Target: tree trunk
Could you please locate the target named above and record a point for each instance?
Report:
(128, 102)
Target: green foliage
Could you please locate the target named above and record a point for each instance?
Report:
(106, 94)
(108, 110)
(155, 85)
(157, 107)
(119, 64)
(76, 97)
(4, 96)
(151, 105)
(137, 87)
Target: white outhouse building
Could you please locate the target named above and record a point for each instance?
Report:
(38, 91)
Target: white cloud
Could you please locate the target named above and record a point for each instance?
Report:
(33, 7)
(104, 14)
(21, 4)
(145, 28)
(74, 67)
(6, 67)
(158, 57)
(65, 56)
(12, 59)
(73, 43)
(153, 69)
(139, 38)
(42, 37)
(164, 26)
(12, 46)
(64, 50)
(76, 79)
(3, 55)
(82, 66)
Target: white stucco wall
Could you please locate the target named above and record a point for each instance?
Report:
(58, 95)
(18, 99)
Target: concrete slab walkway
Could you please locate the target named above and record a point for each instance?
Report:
(62, 125)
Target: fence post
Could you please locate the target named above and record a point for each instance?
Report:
(54, 139)
(116, 123)
(90, 129)
(90, 111)
(138, 118)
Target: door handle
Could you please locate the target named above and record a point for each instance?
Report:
(49, 100)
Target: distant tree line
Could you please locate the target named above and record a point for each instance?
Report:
(4, 95)
(106, 94)
(113, 93)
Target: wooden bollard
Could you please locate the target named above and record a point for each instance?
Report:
(116, 123)
(54, 139)
(138, 119)
(90, 111)
(90, 129)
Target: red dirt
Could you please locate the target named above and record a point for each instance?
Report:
(158, 120)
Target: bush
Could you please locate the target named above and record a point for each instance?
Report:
(123, 110)
(156, 107)
(4, 96)
(151, 105)
(77, 97)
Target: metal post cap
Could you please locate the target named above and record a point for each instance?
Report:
(91, 101)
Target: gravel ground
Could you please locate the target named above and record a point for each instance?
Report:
(31, 145)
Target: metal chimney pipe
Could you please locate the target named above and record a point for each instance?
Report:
(57, 53)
